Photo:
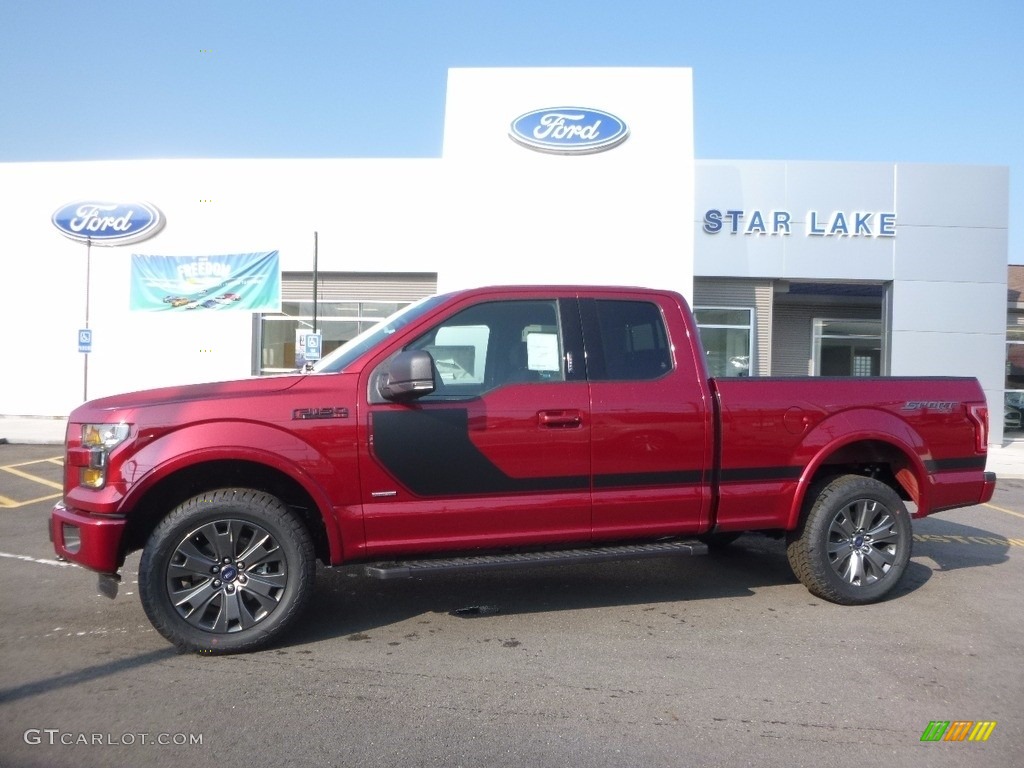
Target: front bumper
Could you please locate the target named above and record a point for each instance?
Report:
(92, 541)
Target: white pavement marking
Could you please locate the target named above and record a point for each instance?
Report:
(28, 559)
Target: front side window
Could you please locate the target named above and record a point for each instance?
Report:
(495, 344)
(726, 334)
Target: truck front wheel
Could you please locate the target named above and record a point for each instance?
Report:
(226, 571)
(854, 541)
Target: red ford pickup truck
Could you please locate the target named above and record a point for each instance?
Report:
(501, 427)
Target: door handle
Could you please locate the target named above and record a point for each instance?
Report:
(556, 419)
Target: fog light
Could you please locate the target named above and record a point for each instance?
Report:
(72, 537)
(93, 478)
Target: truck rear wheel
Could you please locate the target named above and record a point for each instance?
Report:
(226, 571)
(854, 541)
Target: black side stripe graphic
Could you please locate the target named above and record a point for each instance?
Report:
(640, 479)
(430, 453)
(755, 474)
(953, 465)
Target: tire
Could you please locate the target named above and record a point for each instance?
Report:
(854, 541)
(227, 571)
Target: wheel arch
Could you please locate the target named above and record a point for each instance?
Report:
(167, 468)
(208, 473)
(886, 455)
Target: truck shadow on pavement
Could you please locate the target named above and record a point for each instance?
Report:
(953, 546)
(88, 674)
(350, 604)
(949, 546)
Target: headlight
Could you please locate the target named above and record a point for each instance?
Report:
(106, 435)
(100, 440)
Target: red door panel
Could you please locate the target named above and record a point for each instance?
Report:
(498, 455)
(509, 468)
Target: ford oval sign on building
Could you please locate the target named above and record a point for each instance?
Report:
(105, 223)
(568, 130)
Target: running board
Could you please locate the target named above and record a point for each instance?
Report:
(406, 568)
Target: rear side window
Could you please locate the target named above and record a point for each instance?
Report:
(632, 343)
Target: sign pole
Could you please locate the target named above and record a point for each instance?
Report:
(88, 275)
(113, 224)
(315, 279)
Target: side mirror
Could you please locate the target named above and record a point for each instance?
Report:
(409, 375)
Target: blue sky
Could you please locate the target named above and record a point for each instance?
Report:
(934, 82)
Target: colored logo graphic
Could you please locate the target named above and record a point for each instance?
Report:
(249, 282)
(105, 223)
(958, 730)
(568, 130)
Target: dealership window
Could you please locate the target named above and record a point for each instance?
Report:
(347, 304)
(847, 347)
(1013, 408)
(338, 321)
(727, 334)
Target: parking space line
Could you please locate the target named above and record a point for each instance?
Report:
(6, 503)
(26, 476)
(948, 538)
(51, 459)
(15, 469)
(1000, 509)
(27, 559)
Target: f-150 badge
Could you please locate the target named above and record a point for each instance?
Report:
(301, 414)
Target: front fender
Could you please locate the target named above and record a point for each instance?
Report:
(161, 456)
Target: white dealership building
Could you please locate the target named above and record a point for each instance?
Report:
(546, 176)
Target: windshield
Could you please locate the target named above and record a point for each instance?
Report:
(352, 349)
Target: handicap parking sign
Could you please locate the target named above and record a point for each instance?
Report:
(312, 347)
(85, 340)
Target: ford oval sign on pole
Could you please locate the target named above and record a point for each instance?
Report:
(568, 130)
(106, 223)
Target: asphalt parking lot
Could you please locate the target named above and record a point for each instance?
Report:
(723, 660)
